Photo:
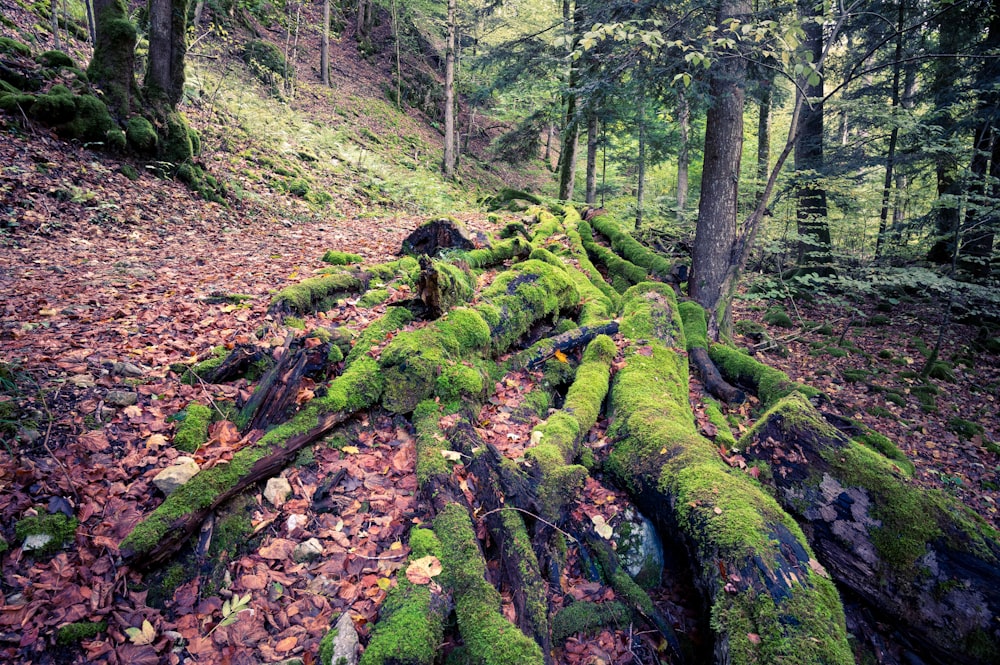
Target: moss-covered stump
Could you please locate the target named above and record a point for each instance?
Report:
(487, 634)
(434, 235)
(696, 335)
(411, 621)
(768, 383)
(558, 438)
(769, 599)
(430, 360)
(918, 557)
(442, 286)
(632, 250)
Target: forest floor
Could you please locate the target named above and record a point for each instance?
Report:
(98, 300)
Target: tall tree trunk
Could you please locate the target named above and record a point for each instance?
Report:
(449, 94)
(56, 43)
(592, 127)
(683, 158)
(715, 233)
(167, 48)
(813, 227)
(890, 158)
(324, 49)
(764, 135)
(640, 190)
(112, 65)
(571, 131)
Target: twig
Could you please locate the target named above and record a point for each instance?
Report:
(45, 444)
(526, 512)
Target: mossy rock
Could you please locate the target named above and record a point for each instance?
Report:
(59, 528)
(778, 317)
(141, 135)
(116, 141)
(54, 108)
(338, 258)
(192, 432)
(12, 47)
(942, 371)
(855, 375)
(16, 102)
(92, 122)
(54, 59)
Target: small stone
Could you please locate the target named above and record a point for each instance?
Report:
(345, 645)
(639, 548)
(127, 369)
(277, 490)
(307, 551)
(174, 476)
(82, 380)
(29, 436)
(294, 521)
(121, 398)
(36, 541)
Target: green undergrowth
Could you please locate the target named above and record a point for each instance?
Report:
(588, 618)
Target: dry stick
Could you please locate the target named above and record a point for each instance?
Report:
(45, 444)
(531, 514)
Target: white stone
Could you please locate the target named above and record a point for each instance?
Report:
(294, 521)
(277, 490)
(36, 541)
(174, 476)
(307, 551)
(639, 548)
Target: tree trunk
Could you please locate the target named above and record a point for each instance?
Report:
(324, 49)
(716, 229)
(640, 190)
(449, 94)
(199, 9)
(571, 129)
(593, 125)
(54, 8)
(764, 134)
(684, 125)
(890, 158)
(91, 27)
(813, 227)
(112, 65)
(167, 48)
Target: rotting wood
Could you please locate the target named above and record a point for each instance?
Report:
(435, 235)
(541, 351)
(696, 336)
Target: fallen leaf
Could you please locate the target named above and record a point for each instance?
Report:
(422, 570)
(452, 455)
(278, 549)
(141, 636)
(560, 356)
(602, 528)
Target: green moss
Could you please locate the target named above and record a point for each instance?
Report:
(202, 369)
(588, 618)
(885, 446)
(377, 331)
(855, 375)
(315, 293)
(195, 139)
(724, 433)
(55, 108)
(232, 531)
(484, 630)
(116, 141)
(141, 135)
(965, 428)
(325, 651)
(771, 384)
(175, 146)
(92, 121)
(12, 47)
(942, 371)
(192, 432)
(631, 249)
(695, 324)
(748, 327)
(338, 258)
(16, 102)
(61, 528)
(778, 317)
(430, 442)
(622, 272)
(879, 320)
(54, 59)
(73, 633)
(373, 298)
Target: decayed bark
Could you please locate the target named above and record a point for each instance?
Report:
(751, 560)
(696, 336)
(571, 339)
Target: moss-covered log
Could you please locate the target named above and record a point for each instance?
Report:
(769, 598)
(558, 438)
(696, 336)
(917, 557)
(442, 286)
(545, 349)
(317, 293)
(634, 251)
(623, 273)
(768, 383)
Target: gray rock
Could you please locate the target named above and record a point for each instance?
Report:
(639, 548)
(121, 398)
(345, 644)
(36, 541)
(126, 369)
(82, 381)
(174, 476)
(277, 490)
(29, 436)
(307, 550)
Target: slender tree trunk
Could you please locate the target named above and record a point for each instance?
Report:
(683, 158)
(324, 49)
(640, 190)
(813, 227)
(550, 131)
(764, 135)
(571, 131)
(890, 158)
(56, 43)
(199, 8)
(91, 27)
(715, 233)
(449, 94)
(592, 127)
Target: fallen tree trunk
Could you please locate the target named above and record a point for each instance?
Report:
(696, 335)
(769, 598)
(917, 557)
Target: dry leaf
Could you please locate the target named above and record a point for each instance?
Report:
(141, 636)
(602, 528)
(422, 570)
(560, 356)
(452, 455)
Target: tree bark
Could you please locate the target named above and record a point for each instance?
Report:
(449, 93)
(683, 158)
(324, 49)
(112, 65)
(167, 48)
(593, 125)
(572, 18)
(764, 134)
(640, 191)
(715, 233)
